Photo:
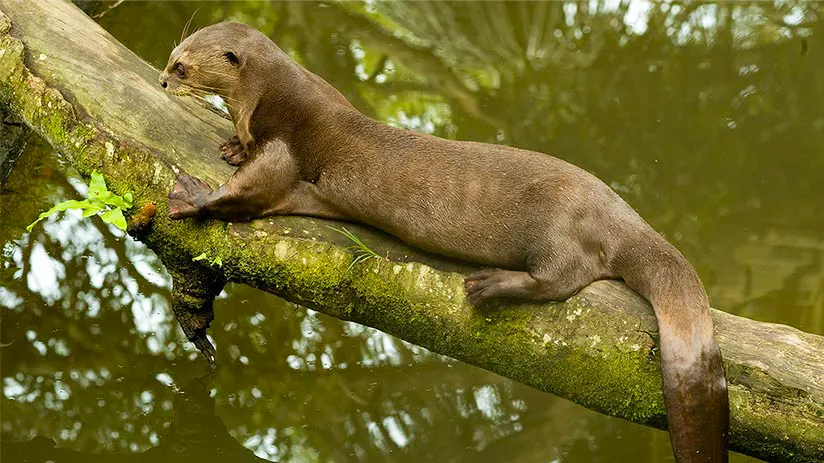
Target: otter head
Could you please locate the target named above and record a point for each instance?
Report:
(208, 61)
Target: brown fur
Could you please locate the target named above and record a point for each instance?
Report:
(547, 228)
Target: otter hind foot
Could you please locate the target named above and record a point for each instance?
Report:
(493, 282)
(233, 152)
(188, 197)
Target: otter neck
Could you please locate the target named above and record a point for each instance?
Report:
(283, 105)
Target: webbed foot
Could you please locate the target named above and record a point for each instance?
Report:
(187, 197)
(494, 282)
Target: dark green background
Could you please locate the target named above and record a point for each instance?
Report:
(708, 118)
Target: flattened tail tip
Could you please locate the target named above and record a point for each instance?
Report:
(698, 409)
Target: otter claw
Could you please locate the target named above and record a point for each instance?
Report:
(187, 197)
(233, 152)
(482, 285)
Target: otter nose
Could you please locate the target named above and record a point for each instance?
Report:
(162, 78)
(163, 84)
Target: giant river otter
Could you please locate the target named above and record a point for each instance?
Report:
(544, 227)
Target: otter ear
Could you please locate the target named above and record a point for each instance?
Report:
(233, 58)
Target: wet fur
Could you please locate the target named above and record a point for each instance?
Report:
(545, 228)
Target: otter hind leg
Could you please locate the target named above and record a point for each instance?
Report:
(233, 152)
(534, 286)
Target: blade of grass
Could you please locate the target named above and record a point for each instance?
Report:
(361, 251)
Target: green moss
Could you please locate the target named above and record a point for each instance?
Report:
(300, 269)
(796, 438)
(610, 380)
(415, 302)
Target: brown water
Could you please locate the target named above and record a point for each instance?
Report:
(709, 121)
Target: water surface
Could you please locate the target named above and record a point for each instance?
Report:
(707, 120)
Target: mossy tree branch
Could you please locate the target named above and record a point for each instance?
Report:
(100, 106)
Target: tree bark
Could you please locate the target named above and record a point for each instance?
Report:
(100, 106)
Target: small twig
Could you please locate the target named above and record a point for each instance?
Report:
(111, 7)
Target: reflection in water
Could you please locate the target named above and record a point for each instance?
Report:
(707, 118)
(195, 434)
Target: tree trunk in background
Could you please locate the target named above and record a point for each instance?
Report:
(100, 106)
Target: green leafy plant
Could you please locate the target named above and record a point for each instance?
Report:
(361, 251)
(99, 201)
(217, 261)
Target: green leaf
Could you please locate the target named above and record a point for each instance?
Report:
(200, 257)
(114, 217)
(65, 205)
(217, 261)
(110, 199)
(91, 210)
(97, 185)
(98, 198)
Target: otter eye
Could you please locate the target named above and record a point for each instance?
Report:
(180, 70)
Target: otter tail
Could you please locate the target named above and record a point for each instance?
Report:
(695, 388)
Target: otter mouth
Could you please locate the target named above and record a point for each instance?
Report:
(212, 98)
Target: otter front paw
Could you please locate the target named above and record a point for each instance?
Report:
(233, 152)
(188, 197)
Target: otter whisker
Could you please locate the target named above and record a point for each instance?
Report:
(217, 73)
(188, 23)
(209, 88)
(186, 90)
(198, 92)
(242, 109)
(206, 96)
(213, 91)
(205, 87)
(202, 90)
